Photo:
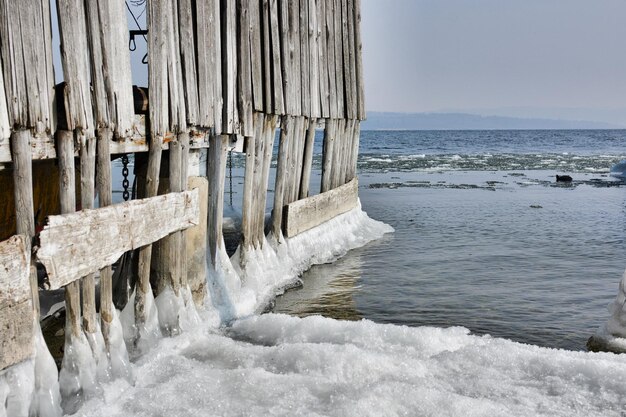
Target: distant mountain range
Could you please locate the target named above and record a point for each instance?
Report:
(466, 121)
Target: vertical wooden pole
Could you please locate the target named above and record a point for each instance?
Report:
(286, 131)
(327, 154)
(301, 136)
(269, 136)
(307, 159)
(216, 171)
(65, 156)
(248, 216)
(145, 253)
(87, 195)
(23, 195)
(354, 151)
(183, 138)
(257, 182)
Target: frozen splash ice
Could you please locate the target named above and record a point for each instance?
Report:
(46, 400)
(17, 384)
(139, 340)
(118, 354)
(612, 335)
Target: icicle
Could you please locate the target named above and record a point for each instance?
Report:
(46, 400)
(139, 341)
(20, 380)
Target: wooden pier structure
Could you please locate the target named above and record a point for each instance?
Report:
(223, 75)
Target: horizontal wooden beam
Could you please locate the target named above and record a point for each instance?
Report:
(77, 244)
(305, 214)
(16, 309)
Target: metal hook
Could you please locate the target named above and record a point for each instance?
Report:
(144, 60)
(131, 42)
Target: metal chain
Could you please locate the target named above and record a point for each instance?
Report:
(125, 182)
(230, 175)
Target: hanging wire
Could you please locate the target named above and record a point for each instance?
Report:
(230, 176)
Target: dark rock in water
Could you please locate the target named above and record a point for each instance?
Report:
(535, 206)
(563, 178)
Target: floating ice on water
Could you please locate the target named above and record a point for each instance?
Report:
(612, 335)
(619, 170)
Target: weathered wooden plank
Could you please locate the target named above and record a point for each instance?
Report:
(256, 54)
(266, 44)
(286, 48)
(301, 129)
(323, 53)
(87, 195)
(216, 172)
(244, 73)
(208, 30)
(350, 61)
(110, 66)
(358, 43)
(77, 244)
(337, 33)
(304, 58)
(248, 216)
(327, 154)
(16, 310)
(75, 60)
(330, 34)
(22, 183)
(257, 180)
(354, 151)
(335, 167)
(278, 101)
(294, 55)
(303, 215)
(25, 46)
(307, 160)
(269, 135)
(313, 62)
(196, 243)
(286, 133)
(157, 67)
(188, 60)
(229, 68)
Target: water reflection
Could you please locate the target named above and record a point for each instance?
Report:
(327, 290)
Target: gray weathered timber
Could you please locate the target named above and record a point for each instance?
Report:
(307, 162)
(196, 242)
(25, 46)
(354, 151)
(244, 73)
(22, 183)
(177, 106)
(78, 244)
(87, 195)
(67, 195)
(338, 137)
(16, 318)
(229, 68)
(278, 101)
(358, 44)
(247, 212)
(305, 89)
(303, 215)
(339, 60)
(350, 62)
(5, 127)
(330, 34)
(257, 177)
(266, 45)
(294, 56)
(157, 12)
(208, 30)
(256, 54)
(313, 62)
(188, 60)
(286, 49)
(327, 154)
(301, 129)
(110, 66)
(75, 60)
(324, 48)
(269, 135)
(216, 172)
(286, 135)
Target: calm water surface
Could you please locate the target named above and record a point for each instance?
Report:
(484, 237)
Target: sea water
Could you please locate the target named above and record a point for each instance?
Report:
(484, 236)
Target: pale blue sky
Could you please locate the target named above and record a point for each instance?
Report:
(431, 55)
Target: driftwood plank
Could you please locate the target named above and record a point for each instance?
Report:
(16, 317)
(77, 244)
(303, 215)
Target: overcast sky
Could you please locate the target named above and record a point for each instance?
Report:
(432, 55)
